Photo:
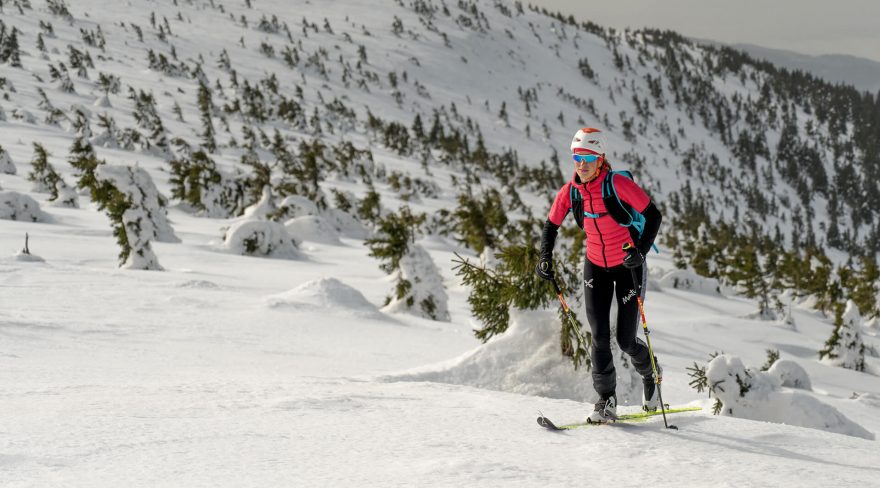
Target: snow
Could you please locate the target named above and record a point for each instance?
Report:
(230, 369)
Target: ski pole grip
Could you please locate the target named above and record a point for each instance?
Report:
(626, 246)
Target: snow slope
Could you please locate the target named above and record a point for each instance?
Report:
(234, 370)
(201, 376)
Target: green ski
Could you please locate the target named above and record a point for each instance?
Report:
(627, 417)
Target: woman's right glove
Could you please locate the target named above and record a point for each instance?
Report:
(548, 240)
(545, 268)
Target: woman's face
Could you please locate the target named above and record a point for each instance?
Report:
(585, 169)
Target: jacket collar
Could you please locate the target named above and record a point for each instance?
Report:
(576, 179)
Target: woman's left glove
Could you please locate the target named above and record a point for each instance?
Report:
(634, 258)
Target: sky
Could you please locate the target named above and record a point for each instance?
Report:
(811, 27)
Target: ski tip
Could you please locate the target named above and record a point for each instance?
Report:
(547, 424)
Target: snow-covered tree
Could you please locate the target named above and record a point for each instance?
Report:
(758, 395)
(9, 49)
(107, 137)
(17, 206)
(197, 181)
(845, 347)
(206, 108)
(418, 288)
(137, 213)
(47, 180)
(261, 238)
(7, 167)
(147, 117)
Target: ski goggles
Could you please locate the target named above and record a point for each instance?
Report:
(585, 158)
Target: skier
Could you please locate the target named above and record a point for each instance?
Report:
(608, 268)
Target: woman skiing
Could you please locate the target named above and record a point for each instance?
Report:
(608, 269)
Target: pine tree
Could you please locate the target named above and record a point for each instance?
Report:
(82, 155)
(115, 203)
(512, 282)
(147, 117)
(205, 108)
(865, 291)
(43, 174)
(369, 209)
(479, 223)
(396, 233)
(502, 114)
(137, 213)
(9, 49)
(845, 347)
(395, 246)
(750, 278)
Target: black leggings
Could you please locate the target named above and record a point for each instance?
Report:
(599, 288)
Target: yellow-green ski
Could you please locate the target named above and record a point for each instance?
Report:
(627, 417)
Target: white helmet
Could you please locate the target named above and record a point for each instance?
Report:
(588, 141)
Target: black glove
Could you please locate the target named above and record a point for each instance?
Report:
(634, 258)
(545, 268)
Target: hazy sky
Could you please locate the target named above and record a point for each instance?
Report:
(804, 26)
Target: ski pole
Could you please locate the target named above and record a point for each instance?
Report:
(582, 343)
(657, 378)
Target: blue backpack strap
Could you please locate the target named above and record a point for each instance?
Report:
(574, 195)
(636, 219)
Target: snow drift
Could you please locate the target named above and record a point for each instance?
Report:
(328, 294)
(758, 395)
(526, 360)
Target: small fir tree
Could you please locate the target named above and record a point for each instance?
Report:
(845, 347)
(206, 107)
(43, 174)
(418, 288)
(512, 282)
(82, 155)
(479, 223)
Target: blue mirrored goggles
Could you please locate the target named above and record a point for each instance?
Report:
(585, 158)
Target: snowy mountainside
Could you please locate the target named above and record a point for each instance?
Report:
(660, 98)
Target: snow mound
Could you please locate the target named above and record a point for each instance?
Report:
(790, 374)
(525, 360)
(688, 280)
(263, 208)
(27, 257)
(312, 228)
(346, 224)
(296, 206)
(17, 206)
(757, 395)
(197, 284)
(325, 293)
(868, 399)
(260, 238)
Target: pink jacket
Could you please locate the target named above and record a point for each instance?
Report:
(605, 237)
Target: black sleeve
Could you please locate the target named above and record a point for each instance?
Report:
(652, 225)
(548, 238)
